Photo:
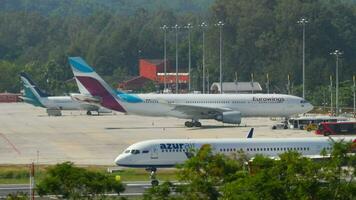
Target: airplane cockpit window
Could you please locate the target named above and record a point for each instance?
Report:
(127, 151)
(134, 151)
(145, 151)
(303, 101)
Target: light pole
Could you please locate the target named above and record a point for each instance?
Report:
(354, 79)
(303, 21)
(164, 28)
(220, 24)
(288, 84)
(337, 54)
(176, 27)
(331, 96)
(189, 26)
(267, 83)
(203, 26)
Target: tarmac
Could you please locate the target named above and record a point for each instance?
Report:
(28, 135)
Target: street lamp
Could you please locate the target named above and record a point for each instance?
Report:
(189, 26)
(303, 21)
(220, 24)
(164, 28)
(176, 27)
(354, 80)
(331, 96)
(203, 26)
(337, 54)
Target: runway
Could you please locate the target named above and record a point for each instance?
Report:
(136, 188)
(27, 134)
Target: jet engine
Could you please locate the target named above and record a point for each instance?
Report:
(86, 98)
(230, 117)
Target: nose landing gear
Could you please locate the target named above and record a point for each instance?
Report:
(153, 179)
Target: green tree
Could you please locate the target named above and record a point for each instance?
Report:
(69, 182)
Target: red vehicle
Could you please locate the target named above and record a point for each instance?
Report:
(336, 128)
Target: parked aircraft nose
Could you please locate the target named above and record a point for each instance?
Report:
(308, 107)
(120, 160)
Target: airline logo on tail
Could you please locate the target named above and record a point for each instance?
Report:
(32, 94)
(94, 84)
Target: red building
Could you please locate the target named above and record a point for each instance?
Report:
(9, 97)
(153, 70)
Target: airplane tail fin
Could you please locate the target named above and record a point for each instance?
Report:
(91, 83)
(250, 133)
(32, 94)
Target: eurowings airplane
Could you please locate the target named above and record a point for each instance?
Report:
(163, 153)
(35, 96)
(227, 108)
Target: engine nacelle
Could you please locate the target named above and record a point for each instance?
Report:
(86, 98)
(230, 117)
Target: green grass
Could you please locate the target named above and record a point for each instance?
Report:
(19, 174)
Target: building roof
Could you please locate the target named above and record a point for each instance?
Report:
(155, 61)
(239, 87)
(134, 83)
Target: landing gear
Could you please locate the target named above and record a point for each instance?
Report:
(192, 123)
(154, 181)
(89, 112)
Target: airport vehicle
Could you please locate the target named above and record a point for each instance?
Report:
(310, 123)
(160, 153)
(227, 108)
(336, 128)
(54, 104)
(280, 125)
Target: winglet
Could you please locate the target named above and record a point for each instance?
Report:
(250, 134)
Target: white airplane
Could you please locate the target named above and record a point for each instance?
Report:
(35, 96)
(227, 108)
(166, 153)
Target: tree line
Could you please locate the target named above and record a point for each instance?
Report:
(259, 37)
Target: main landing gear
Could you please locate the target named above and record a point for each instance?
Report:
(153, 179)
(192, 123)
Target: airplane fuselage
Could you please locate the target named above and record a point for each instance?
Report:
(170, 152)
(250, 105)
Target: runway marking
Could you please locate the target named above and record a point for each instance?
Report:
(10, 143)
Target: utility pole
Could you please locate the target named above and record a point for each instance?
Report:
(207, 80)
(288, 84)
(203, 26)
(267, 83)
(303, 22)
(237, 89)
(337, 54)
(253, 88)
(220, 24)
(32, 181)
(331, 96)
(176, 27)
(354, 80)
(189, 26)
(164, 28)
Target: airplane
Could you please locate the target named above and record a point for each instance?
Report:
(168, 153)
(227, 108)
(35, 96)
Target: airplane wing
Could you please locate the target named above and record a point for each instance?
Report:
(199, 111)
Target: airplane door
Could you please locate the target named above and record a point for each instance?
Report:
(154, 153)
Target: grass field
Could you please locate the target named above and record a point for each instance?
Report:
(19, 174)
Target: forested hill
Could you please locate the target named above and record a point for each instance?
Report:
(86, 7)
(259, 37)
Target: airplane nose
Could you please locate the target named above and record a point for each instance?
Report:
(309, 107)
(118, 160)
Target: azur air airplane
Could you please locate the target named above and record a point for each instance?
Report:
(166, 153)
(227, 108)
